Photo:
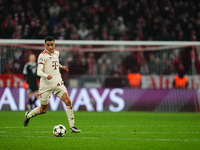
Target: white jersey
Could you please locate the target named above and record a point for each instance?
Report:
(51, 67)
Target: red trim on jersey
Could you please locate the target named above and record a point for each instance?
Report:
(40, 63)
(45, 52)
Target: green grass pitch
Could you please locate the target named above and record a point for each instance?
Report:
(102, 130)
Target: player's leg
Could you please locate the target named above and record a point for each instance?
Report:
(69, 111)
(44, 99)
(30, 95)
(35, 95)
(34, 98)
(34, 112)
(62, 93)
(37, 111)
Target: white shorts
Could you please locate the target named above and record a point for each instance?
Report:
(45, 93)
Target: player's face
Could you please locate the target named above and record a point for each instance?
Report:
(50, 46)
(32, 58)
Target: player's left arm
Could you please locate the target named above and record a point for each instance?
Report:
(63, 67)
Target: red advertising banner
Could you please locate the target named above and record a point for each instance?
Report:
(166, 82)
(11, 80)
(148, 81)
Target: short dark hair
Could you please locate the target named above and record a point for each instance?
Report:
(49, 38)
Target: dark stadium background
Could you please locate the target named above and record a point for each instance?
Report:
(110, 113)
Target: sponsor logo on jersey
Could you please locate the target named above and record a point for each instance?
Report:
(41, 59)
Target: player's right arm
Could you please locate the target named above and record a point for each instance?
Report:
(40, 68)
(41, 73)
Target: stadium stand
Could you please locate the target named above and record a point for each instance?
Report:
(99, 19)
(164, 20)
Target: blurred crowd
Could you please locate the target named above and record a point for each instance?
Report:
(163, 20)
(101, 19)
(161, 62)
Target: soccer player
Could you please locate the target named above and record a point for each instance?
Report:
(30, 75)
(51, 82)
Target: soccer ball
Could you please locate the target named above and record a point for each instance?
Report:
(59, 130)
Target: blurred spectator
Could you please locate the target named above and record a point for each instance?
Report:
(134, 78)
(175, 59)
(35, 25)
(164, 35)
(121, 25)
(59, 31)
(144, 69)
(66, 27)
(104, 65)
(180, 80)
(165, 62)
(115, 30)
(117, 66)
(83, 31)
(25, 28)
(8, 27)
(79, 66)
(17, 33)
(43, 32)
(103, 70)
(193, 61)
(158, 67)
(130, 60)
(151, 63)
(104, 34)
(54, 10)
(91, 62)
(193, 36)
(9, 67)
(18, 62)
(73, 34)
(180, 36)
(8, 31)
(155, 65)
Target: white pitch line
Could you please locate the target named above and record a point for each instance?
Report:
(123, 126)
(112, 132)
(105, 126)
(126, 132)
(14, 127)
(141, 132)
(38, 131)
(99, 138)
